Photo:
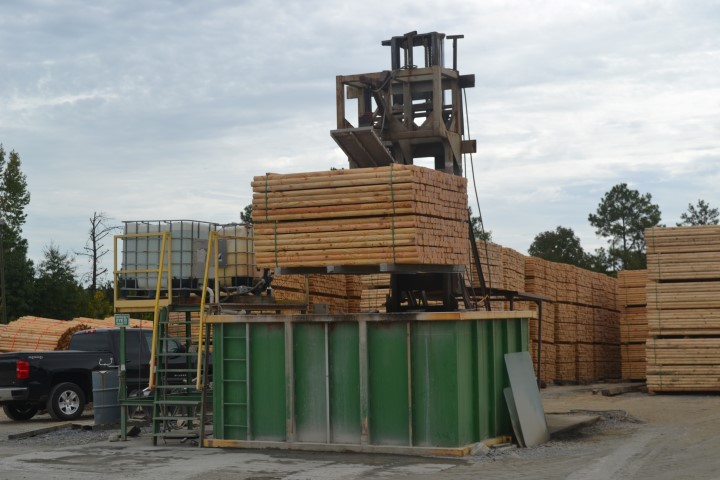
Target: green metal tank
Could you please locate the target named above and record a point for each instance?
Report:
(398, 382)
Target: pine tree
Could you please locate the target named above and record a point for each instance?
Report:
(703, 214)
(58, 294)
(622, 217)
(14, 197)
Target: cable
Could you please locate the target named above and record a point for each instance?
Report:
(477, 198)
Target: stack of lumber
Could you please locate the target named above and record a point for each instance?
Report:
(683, 308)
(540, 278)
(606, 325)
(109, 322)
(401, 214)
(37, 333)
(491, 262)
(375, 290)
(326, 289)
(513, 268)
(632, 300)
(580, 323)
(354, 288)
(178, 328)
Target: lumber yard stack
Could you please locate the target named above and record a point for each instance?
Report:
(491, 261)
(503, 268)
(375, 290)
(327, 289)
(580, 329)
(632, 300)
(683, 309)
(36, 333)
(401, 214)
(540, 278)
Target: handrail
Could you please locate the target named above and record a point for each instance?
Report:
(156, 316)
(213, 241)
(160, 270)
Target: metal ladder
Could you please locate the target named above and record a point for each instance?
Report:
(177, 400)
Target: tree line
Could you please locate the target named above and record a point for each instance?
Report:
(621, 218)
(52, 288)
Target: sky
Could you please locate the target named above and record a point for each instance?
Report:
(167, 109)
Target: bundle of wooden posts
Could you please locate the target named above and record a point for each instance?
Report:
(375, 290)
(513, 263)
(354, 288)
(331, 290)
(402, 214)
(540, 278)
(180, 324)
(683, 308)
(632, 300)
(37, 333)
(491, 262)
(580, 329)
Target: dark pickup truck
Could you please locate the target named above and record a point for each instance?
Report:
(61, 381)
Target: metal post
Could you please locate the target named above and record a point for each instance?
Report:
(123, 387)
(3, 223)
(539, 352)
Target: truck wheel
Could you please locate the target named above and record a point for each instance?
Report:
(66, 401)
(20, 412)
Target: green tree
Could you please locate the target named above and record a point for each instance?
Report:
(600, 262)
(703, 214)
(58, 294)
(99, 304)
(560, 245)
(622, 217)
(14, 197)
(246, 214)
(478, 228)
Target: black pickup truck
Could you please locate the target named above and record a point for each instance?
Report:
(61, 381)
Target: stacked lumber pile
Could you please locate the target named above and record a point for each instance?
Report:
(632, 300)
(491, 262)
(37, 333)
(328, 289)
(683, 308)
(401, 214)
(109, 322)
(541, 279)
(178, 328)
(354, 288)
(580, 323)
(606, 326)
(503, 269)
(513, 268)
(375, 290)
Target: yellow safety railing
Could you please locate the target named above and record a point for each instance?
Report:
(212, 244)
(134, 305)
(212, 256)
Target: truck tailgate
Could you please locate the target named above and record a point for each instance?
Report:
(8, 363)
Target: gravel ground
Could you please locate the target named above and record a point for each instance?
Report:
(576, 442)
(662, 437)
(612, 422)
(65, 437)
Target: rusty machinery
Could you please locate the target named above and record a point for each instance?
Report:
(413, 111)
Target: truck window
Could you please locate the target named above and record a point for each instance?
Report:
(89, 342)
(133, 347)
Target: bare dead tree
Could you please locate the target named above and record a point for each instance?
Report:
(95, 248)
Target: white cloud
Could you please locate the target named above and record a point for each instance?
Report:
(168, 109)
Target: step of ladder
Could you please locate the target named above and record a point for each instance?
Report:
(177, 406)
